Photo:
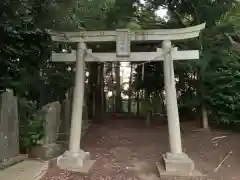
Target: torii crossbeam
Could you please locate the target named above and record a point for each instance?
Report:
(135, 36)
(134, 56)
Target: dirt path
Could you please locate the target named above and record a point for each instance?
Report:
(126, 150)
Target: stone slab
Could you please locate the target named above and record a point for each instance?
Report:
(13, 161)
(173, 175)
(27, 170)
(51, 115)
(88, 164)
(76, 162)
(46, 152)
(178, 162)
(9, 126)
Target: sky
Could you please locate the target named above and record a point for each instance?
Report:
(160, 12)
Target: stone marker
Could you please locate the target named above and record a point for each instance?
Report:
(65, 124)
(65, 120)
(9, 131)
(66, 111)
(48, 148)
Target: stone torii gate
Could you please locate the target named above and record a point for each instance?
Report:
(176, 162)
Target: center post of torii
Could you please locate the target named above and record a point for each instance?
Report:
(175, 162)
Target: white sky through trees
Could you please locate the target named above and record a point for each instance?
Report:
(125, 66)
(161, 12)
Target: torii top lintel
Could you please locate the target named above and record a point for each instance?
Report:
(136, 35)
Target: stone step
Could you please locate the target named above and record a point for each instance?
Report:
(13, 161)
(26, 170)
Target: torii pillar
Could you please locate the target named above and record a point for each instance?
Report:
(175, 163)
(171, 100)
(75, 159)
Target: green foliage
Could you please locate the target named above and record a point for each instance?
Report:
(222, 83)
(22, 57)
(212, 81)
(25, 65)
(151, 79)
(31, 125)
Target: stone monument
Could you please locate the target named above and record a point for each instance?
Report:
(48, 147)
(9, 130)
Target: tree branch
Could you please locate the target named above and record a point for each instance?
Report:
(177, 16)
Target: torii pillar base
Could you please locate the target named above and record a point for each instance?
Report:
(76, 162)
(178, 166)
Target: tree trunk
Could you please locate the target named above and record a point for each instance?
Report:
(92, 86)
(96, 99)
(113, 89)
(163, 104)
(201, 91)
(98, 117)
(148, 111)
(204, 118)
(202, 109)
(102, 83)
(138, 104)
(118, 101)
(130, 92)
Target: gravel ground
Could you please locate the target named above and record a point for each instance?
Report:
(127, 150)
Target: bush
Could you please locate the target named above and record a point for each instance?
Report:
(31, 125)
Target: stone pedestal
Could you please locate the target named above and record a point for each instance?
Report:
(178, 162)
(77, 162)
(177, 165)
